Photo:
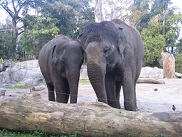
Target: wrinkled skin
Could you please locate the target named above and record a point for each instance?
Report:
(114, 53)
(60, 61)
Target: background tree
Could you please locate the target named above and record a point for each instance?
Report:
(111, 9)
(38, 31)
(73, 15)
(51, 17)
(15, 8)
(6, 47)
(154, 43)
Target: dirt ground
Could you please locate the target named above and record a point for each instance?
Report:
(150, 97)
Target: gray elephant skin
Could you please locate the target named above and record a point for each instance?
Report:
(60, 61)
(114, 54)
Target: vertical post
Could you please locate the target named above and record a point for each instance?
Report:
(168, 65)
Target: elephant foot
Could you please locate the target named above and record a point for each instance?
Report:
(114, 104)
(131, 106)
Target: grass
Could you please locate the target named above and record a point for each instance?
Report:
(21, 86)
(8, 133)
(84, 82)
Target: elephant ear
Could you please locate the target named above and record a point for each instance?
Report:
(82, 39)
(54, 56)
(121, 40)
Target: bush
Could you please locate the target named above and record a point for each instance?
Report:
(1, 61)
(178, 63)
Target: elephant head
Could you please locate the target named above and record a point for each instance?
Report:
(104, 48)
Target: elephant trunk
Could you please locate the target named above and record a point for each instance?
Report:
(96, 75)
(73, 80)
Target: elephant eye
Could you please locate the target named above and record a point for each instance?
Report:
(106, 50)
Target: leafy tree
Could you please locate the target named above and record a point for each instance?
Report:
(15, 8)
(72, 15)
(179, 47)
(154, 43)
(38, 31)
(140, 14)
(6, 48)
(172, 31)
(178, 63)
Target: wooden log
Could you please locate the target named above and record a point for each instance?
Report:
(38, 88)
(95, 119)
(150, 81)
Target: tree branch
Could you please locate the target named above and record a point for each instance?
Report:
(5, 7)
(20, 32)
(13, 3)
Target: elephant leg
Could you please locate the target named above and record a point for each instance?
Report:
(67, 91)
(129, 92)
(60, 88)
(111, 91)
(51, 95)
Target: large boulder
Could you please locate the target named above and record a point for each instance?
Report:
(149, 72)
(27, 72)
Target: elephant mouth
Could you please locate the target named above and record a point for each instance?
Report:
(109, 67)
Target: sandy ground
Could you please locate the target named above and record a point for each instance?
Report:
(150, 97)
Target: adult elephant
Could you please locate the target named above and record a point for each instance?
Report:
(114, 53)
(60, 61)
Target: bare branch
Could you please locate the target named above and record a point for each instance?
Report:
(20, 32)
(6, 8)
(21, 27)
(13, 3)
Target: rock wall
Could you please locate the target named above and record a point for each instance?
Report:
(28, 73)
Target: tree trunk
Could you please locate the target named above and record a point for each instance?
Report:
(168, 65)
(98, 11)
(30, 113)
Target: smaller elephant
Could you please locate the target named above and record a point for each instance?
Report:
(60, 61)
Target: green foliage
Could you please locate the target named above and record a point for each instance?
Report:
(8, 133)
(178, 63)
(1, 60)
(6, 48)
(154, 44)
(84, 82)
(172, 30)
(38, 31)
(52, 17)
(72, 15)
(179, 46)
(18, 85)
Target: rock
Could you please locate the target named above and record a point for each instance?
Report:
(83, 72)
(27, 72)
(1, 67)
(2, 92)
(149, 72)
(178, 75)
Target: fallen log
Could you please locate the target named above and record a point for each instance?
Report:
(150, 81)
(95, 119)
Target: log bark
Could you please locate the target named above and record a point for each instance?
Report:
(96, 119)
(150, 81)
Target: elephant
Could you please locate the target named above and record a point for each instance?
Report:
(60, 61)
(114, 52)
